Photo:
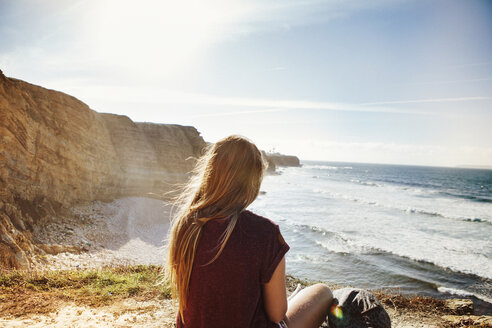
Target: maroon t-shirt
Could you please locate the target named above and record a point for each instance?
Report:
(228, 292)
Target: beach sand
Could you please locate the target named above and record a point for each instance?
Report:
(127, 231)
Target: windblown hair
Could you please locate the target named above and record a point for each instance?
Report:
(226, 180)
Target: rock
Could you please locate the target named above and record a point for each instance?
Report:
(469, 320)
(271, 165)
(283, 160)
(21, 260)
(54, 249)
(56, 152)
(459, 306)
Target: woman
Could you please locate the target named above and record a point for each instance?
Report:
(226, 263)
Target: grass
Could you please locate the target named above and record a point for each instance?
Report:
(40, 291)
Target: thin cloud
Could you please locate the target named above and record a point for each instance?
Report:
(390, 152)
(278, 105)
(472, 64)
(485, 79)
(243, 106)
(423, 101)
(240, 113)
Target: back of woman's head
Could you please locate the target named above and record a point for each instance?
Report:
(226, 180)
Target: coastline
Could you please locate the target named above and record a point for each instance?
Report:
(385, 226)
(107, 239)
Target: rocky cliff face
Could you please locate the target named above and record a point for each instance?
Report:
(283, 160)
(56, 152)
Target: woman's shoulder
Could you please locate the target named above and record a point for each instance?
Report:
(250, 220)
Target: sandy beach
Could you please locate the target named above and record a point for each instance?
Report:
(108, 234)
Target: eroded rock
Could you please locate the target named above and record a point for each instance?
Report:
(460, 306)
(469, 320)
(56, 152)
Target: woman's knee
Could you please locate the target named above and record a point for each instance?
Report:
(323, 293)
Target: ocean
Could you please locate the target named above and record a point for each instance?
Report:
(413, 229)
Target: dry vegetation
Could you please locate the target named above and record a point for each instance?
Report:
(40, 292)
(410, 310)
(24, 294)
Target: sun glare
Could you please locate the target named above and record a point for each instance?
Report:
(160, 36)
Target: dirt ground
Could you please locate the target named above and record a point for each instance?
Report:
(125, 313)
(157, 313)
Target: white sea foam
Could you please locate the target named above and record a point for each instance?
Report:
(366, 183)
(327, 167)
(410, 222)
(463, 293)
(449, 254)
(448, 257)
(399, 199)
(337, 246)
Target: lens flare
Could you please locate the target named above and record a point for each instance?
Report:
(336, 310)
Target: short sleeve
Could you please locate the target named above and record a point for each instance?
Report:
(275, 249)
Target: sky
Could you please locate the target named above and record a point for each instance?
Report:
(397, 82)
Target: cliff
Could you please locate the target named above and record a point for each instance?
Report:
(283, 160)
(56, 152)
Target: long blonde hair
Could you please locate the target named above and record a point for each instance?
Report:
(226, 180)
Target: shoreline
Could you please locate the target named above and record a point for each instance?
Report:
(105, 234)
(375, 226)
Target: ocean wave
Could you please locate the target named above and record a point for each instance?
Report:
(449, 266)
(476, 271)
(441, 215)
(476, 220)
(478, 199)
(478, 196)
(411, 278)
(432, 213)
(314, 229)
(425, 212)
(408, 210)
(406, 183)
(344, 243)
(365, 183)
(341, 245)
(463, 293)
(331, 240)
(327, 167)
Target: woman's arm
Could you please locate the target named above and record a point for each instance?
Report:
(275, 294)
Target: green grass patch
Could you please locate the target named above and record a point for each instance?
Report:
(100, 284)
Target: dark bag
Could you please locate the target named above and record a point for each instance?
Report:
(357, 308)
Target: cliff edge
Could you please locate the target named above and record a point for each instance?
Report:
(283, 160)
(56, 152)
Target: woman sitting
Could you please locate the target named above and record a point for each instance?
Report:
(226, 263)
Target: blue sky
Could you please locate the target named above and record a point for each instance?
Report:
(407, 82)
